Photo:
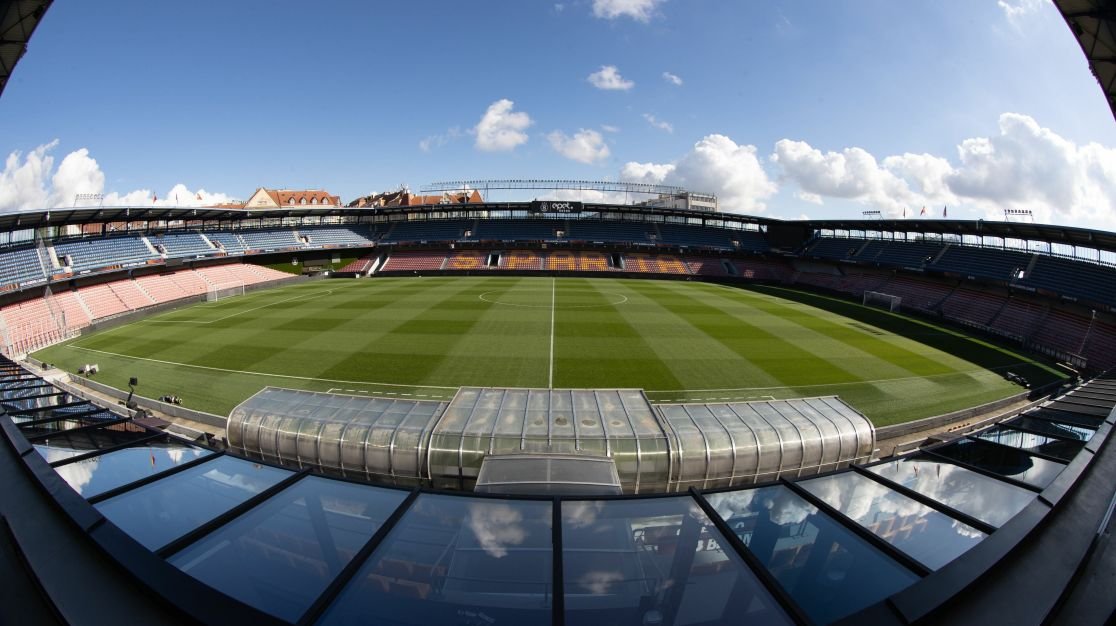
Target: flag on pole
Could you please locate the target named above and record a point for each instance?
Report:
(199, 196)
(945, 211)
(923, 211)
(904, 211)
(154, 198)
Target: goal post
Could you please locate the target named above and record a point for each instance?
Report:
(220, 291)
(883, 300)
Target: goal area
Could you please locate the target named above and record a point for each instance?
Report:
(882, 300)
(220, 291)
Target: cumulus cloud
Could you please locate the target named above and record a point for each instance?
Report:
(1025, 166)
(673, 79)
(501, 129)
(585, 146)
(715, 164)
(657, 123)
(32, 182)
(610, 129)
(609, 78)
(854, 174)
(638, 10)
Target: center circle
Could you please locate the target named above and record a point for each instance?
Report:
(502, 298)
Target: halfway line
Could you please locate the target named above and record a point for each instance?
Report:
(550, 378)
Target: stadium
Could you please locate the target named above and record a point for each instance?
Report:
(531, 411)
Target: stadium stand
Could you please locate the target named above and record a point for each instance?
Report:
(271, 240)
(77, 315)
(1019, 319)
(161, 288)
(182, 245)
(520, 260)
(102, 301)
(1082, 280)
(517, 230)
(982, 262)
(414, 261)
(917, 293)
(618, 232)
(654, 264)
(762, 269)
(700, 237)
(1062, 331)
(834, 248)
(359, 266)
(436, 230)
(467, 260)
(130, 294)
(903, 254)
(21, 267)
(190, 282)
(319, 237)
(974, 307)
(707, 266)
(94, 254)
(232, 243)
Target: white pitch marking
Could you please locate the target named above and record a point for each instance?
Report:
(232, 371)
(550, 378)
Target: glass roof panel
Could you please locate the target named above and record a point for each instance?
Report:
(281, 555)
(1058, 448)
(456, 560)
(160, 512)
(64, 444)
(1058, 429)
(98, 474)
(1003, 460)
(983, 497)
(655, 561)
(929, 536)
(828, 570)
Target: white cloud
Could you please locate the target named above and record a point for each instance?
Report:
(501, 129)
(559, 7)
(1024, 166)
(716, 164)
(901, 182)
(33, 183)
(426, 144)
(657, 123)
(1016, 9)
(806, 196)
(610, 129)
(609, 78)
(673, 79)
(638, 10)
(585, 146)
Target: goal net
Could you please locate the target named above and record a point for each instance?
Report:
(883, 300)
(220, 291)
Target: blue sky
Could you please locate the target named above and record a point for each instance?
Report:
(790, 108)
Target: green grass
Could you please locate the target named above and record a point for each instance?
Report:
(424, 337)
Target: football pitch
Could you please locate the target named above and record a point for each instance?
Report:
(422, 337)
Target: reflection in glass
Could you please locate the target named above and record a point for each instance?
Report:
(280, 556)
(160, 512)
(98, 474)
(1057, 448)
(1002, 460)
(1057, 429)
(655, 561)
(931, 537)
(456, 560)
(828, 570)
(983, 497)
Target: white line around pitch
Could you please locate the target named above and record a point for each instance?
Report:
(550, 377)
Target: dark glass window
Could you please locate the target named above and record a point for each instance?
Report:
(985, 498)
(280, 556)
(456, 560)
(1057, 448)
(113, 469)
(160, 512)
(828, 570)
(1002, 460)
(929, 536)
(1058, 429)
(654, 561)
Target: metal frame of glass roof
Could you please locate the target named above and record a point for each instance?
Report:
(753, 544)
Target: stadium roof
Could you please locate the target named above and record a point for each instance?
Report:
(1092, 22)
(1069, 235)
(18, 19)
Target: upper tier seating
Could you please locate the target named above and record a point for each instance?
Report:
(586, 230)
(982, 262)
(351, 236)
(902, 253)
(1074, 278)
(21, 267)
(700, 237)
(834, 248)
(517, 230)
(91, 254)
(436, 230)
(271, 239)
(183, 245)
(231, 242)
